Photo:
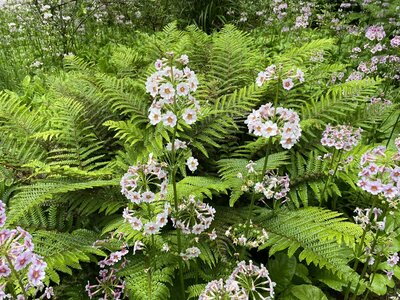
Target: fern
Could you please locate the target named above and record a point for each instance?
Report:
(316, 235)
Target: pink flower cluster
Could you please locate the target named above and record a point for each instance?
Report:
(273, 186)
(395, 41)
(375, 32)
(172, 90)
(17, 249)
(378, 177)
(269, 122)
(247, 281)
(193, 216)
(341, 137)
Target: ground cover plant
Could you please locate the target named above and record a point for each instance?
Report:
(208, 150)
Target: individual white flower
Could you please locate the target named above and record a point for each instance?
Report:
(189, 116)
(148, 197)
(158, 64)
(198, 228)
(184, 59)
(151, 228)
(136, 223)
(261, 78)
(165, 248)
(135, 197)
(288, 84)
(167, 91)
(182, 89)
(137, 246)
(155, 116)
(300, 75)
(169, 119)
(192, 163)
(162, 219)
(270, 129)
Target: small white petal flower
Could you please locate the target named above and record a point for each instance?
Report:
(169, 119)
(192, 163)
(189, 116)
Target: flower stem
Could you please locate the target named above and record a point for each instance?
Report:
(18, 278)
(333, 175)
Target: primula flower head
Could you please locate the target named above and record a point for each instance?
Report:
(268, 122)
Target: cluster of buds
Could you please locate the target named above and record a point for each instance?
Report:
(18, 258)
(271, 73)
(254, 237)
(379, 175)
(172, 90)
(375, 32)
(190, 253)
(268, 122)
(370, 218)
(247, 281)
(137, 185)
(272, 186)
(341, 137)
(193, 216)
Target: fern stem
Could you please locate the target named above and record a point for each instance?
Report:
(18, 278)
(391, 133)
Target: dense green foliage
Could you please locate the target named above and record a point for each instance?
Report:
(72, 124)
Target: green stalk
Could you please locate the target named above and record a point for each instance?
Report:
(364, 270)
(18, 278)
(358, 253)
(175, 192)
(333, 175)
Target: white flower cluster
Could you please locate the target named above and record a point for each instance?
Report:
(254, 237)
(273, 186)
(190, 253)
(245, 281)
(150, 227)
(268, 121)
(136, 189)
(271, 73)
(172, 90)
(137, 185)
(370, 217)
(193, 216)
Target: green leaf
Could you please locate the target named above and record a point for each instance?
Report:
(282, 269)
(304, 292)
